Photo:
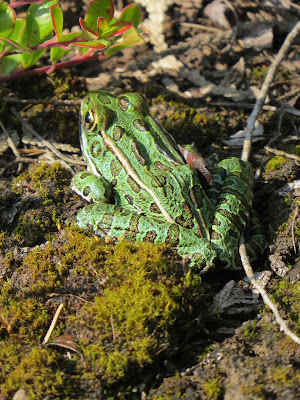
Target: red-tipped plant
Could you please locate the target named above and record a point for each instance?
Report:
(24, 41)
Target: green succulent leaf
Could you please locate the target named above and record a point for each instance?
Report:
(63, 46)
(7, 19)
(117, 29)
(101, 25)
(131, 13)
(57, 19)
(30, 59)
(10, 63)
(39, 22)
(96, 44)
(132, 38)
(97, 8)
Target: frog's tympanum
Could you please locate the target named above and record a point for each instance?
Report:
(142, 186)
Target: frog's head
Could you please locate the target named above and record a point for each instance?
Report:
(100, 110)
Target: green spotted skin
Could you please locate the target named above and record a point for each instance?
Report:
(142, 189)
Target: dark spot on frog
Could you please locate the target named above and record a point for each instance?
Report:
(158, 180)
(132, 183)
(88, 208)
(115, 167)
(162, 166)
(140, 159)
(172, 237)
(129, 199)
(86, 191)
(103, 98)
(215, 235)
(154, 208)
(132, 231)
(118, 132)
(243, 197)
(186, 217)
(123, 103)
(235, 219)
(114, 182)
(140, 125)
(95, 149)
(84, 175)
(150, 236)
(233, 233)
(105, 222)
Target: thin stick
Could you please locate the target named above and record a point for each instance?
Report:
(285, 109)
(201, 27)
(293, 228)
(53, 323)
(264, 90)
(262, 292)
(282, 153)
(10, 142)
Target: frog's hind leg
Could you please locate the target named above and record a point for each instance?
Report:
(256, 242)
(231, 196)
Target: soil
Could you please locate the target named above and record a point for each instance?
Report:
(201, 87)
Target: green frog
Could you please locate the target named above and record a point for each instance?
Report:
(143, 186)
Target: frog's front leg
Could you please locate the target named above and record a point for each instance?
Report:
(116, 223)
(91, 187)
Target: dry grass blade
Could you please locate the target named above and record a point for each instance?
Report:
(53, 323)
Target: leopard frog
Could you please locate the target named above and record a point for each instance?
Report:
(142, 188)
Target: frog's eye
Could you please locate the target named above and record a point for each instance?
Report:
(90, 120)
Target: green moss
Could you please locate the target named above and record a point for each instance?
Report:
(213, 389)
(18, 314)
(136, 302)
(250, 329)
(133, 317)
(258, 74)
(284, 376)
(296, 150)
(275, 163)
(41, 373)
(48, 185)
(256, 392)
(288, 294)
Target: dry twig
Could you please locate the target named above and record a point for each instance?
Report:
(293, 229)
(282, 153)
(245, 156)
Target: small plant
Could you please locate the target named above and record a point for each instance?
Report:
(24, 41)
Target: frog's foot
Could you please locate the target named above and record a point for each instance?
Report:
(117, 223)
(91, 187)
